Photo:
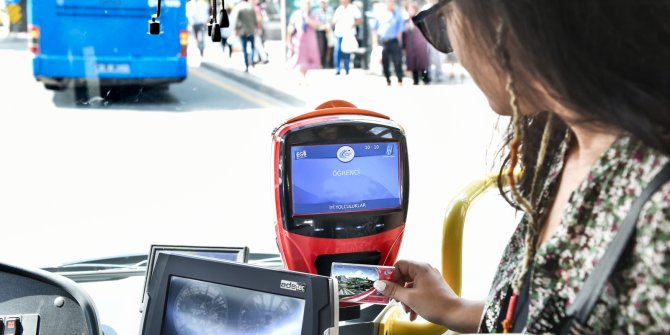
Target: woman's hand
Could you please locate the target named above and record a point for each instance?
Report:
(422, 291)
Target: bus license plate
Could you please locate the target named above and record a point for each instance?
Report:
(113, 68)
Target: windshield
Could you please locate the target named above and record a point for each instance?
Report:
(113, 139)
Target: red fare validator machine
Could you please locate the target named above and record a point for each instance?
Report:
(341, 188)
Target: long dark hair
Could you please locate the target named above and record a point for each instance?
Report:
(608, 61)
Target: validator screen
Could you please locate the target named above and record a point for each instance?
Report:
(340, 178)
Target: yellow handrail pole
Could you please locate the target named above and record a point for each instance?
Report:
(452, 231)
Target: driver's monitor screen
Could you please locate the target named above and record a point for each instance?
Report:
(340, 178)
(200, 307)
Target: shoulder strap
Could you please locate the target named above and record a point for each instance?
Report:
(581, 308)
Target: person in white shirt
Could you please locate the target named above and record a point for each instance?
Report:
(197, 13)
(345, 19)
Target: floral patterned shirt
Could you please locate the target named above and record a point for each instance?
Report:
(636, 299)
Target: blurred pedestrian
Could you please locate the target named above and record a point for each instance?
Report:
(259, 39)
(3, 9)
(360, 55)
(435, 58)
(226, 33)
(389, 29)
(345, 19)
(246, 24)
(302, 36)
(453, 67)
(416, 48)
(324, 32)
(14, 16)
(436, 61)
(197, 13)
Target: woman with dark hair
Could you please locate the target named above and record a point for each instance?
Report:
(587, 85)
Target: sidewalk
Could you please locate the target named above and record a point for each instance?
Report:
(277, 79)
(270, 78)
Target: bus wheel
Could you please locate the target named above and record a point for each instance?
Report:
(158, 87)
(54, 87)
(81, 94)
(111, 93)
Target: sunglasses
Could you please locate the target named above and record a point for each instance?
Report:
(433, 25)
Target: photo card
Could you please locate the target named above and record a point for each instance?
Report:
(355, 282)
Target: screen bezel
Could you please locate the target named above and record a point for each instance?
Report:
(355, 132)
(321, 302)
(376, 210)
(242, 256)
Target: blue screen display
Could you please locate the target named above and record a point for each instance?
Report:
(340, 178)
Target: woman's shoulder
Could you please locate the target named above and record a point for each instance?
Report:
(654, 220)
(655, 215)
(643, 278)
(636, 164)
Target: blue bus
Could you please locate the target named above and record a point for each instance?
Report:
(84, 42)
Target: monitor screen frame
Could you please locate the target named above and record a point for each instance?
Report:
(321, 311)
(241, 252)
(353, 131)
